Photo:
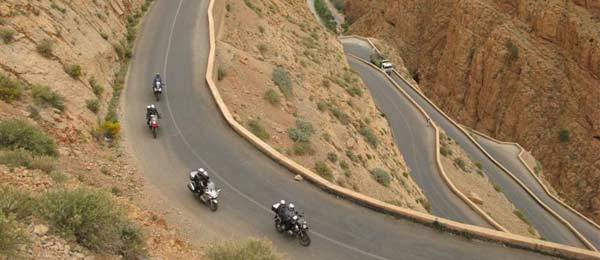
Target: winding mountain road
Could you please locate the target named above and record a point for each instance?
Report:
(174, 41)
(547, 225)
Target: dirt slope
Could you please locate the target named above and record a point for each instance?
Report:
(524, 71)
(285, 77)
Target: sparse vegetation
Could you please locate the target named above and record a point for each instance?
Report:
(496, 187)
(302, 132)
(478, 165)
(261, 29)
(16, 134)
(332, 157)
(322, 105)
(325, 15)
(323, 170)
(340, 115)
(7, 35)
(538, 167)
(272, 97)
(564, 135)
(111, 129)
(344, 165)
(10, 235)
(96, 88)
(93, 220)
(521, 216)
(382, 177)
(281, 78)
(44, 48)
(221, 73)
(262, 48)
(253, 7)
(251, 249)
(257, 129)
(461, 164)
(93, 105)
(43, 95)
(24, 158)
(303, 149)
(338, 4)
(9, 89)
(73, 70)
(369, 136)
(445, 150)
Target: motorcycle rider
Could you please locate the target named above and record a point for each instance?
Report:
(151, 110)
(201, 179)
(157, 79)
(285, 212)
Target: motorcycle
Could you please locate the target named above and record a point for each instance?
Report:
(153, 125)
(209, 197)
(157, 88)
(299, 228)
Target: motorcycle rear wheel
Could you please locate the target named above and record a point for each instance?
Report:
(279, 227)
(213, 206)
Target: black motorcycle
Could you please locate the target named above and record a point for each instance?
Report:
(299, 228)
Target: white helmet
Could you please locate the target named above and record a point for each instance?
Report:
(291, 206)
(152, 106)
(282, 202)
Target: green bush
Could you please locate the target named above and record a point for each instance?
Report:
(254, 8)
(332, 157)
(73, 70)
(461, 164)
(521, 216)
(322, 105)
(257, 129)
(382, 177)
(44, 48)
(325, 15)
(17, 203)
(369, 136)
(281, 78)
(93, 105)
(262, 48)
(10, 235)
(96, 88)
(251, 249)
(42, 95)
(344, 165)
(7, 35)
(272, 97)
(92, 219)
(302, 132)
(338, 4)
(446, 151)
(303, 149)
(9, 89)
(15, 133)
(323, 170)
(221, 73)
(564, 135)
(24, 158)
(351, 155)
(340, 115)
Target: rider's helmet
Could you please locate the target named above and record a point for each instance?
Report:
(203, 172)
(148, 107)
(282, 202)
(152, 106)
(291, 206)
(157, 75)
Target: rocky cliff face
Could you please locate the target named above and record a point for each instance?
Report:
(526, 71)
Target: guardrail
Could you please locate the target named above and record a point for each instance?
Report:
(441, 223)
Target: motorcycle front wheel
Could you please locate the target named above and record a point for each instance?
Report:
(154, 133)
(304, 238)
(279, 227)
(157, 95)
(213, 205)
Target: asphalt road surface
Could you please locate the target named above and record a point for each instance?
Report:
(173, 41)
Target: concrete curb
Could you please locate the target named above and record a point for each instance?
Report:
(552, 212)
(532, 172)
(441, 171)
(484, 233)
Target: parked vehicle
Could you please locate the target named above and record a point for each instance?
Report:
(382, 63)
(208, 195)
